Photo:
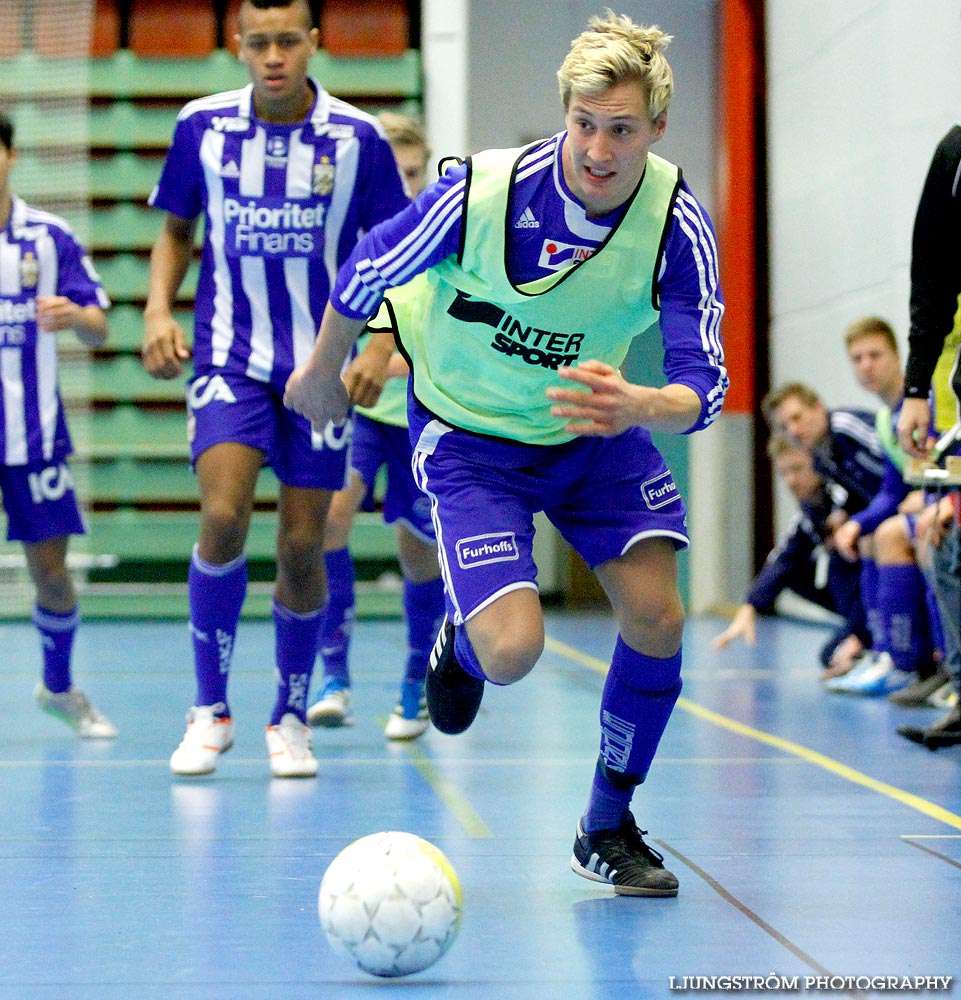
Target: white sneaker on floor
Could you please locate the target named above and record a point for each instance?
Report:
(409, 718)
(288, 745)
(73, 707)
(332, 709)
(945, 697)
(206, 738)
(873, 679)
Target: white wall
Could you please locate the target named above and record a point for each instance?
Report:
(859, 92)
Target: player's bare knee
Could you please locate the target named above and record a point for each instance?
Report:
(891, 543)
(55, 590)
(508, 658)
(223, 531)
(655, 632)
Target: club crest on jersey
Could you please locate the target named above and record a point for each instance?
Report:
(276, 154)
(29, 270)
(555, 256)
(480, 550)
(660, 491)
(323, 179)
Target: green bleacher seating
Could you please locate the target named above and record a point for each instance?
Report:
(126, 76)
(128, 430)
(126, 278)
(131, 452)
(119, 378)
(124, 125)
(126, 327)
(123, 226)
(123, 176)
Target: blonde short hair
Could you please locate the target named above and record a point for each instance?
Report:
(615, 49)
(402, 130)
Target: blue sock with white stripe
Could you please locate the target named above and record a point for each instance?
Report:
(902, 606)
(639, 696)
(295, 639)
(334, 637)
(869, 598)
(57, 630)
(423, 611)
(216, 596)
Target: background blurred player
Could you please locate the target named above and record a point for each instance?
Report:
(286, 176)
(381, 439)
(47, 286)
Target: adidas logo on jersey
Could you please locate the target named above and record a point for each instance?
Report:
(527, 220)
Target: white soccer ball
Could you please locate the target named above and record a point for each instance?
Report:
(390, 902)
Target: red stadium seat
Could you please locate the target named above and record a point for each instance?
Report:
(105, 39)
(172, 29)
(231, 25)
(364, 28)
(11, 27)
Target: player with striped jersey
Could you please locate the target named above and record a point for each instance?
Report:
(543, 265)
(47, 286)
(286, 177)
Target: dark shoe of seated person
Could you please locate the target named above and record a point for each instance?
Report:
(946, 732)
(453, 695)
(917, 694)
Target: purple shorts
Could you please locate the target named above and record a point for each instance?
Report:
(40, 502)
(602, 494)
(376, 445)
(223, 406)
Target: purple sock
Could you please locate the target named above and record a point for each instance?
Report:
(466, 656)
(901, 603)
(295, 637)
(57, 630)
(334, 636)
(216, 596)
(423, 611)
(869, 598)
(639, 696)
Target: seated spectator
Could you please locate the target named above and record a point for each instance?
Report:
(903, 663)
(804, 562)
(847, 454)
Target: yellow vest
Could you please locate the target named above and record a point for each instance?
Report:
(488, 350)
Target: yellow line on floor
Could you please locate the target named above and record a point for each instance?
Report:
(448, 793)
(788, 746)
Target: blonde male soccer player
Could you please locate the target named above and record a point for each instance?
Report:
(544, 264)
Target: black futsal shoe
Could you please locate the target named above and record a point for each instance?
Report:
(946, 732)
(453, 695)
(622, 859)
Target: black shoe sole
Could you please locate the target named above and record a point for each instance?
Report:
(925, 738)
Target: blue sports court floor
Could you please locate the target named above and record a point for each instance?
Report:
(810, 840)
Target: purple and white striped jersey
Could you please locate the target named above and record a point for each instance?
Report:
(283, 207)
(39, 256)
(548, 231)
